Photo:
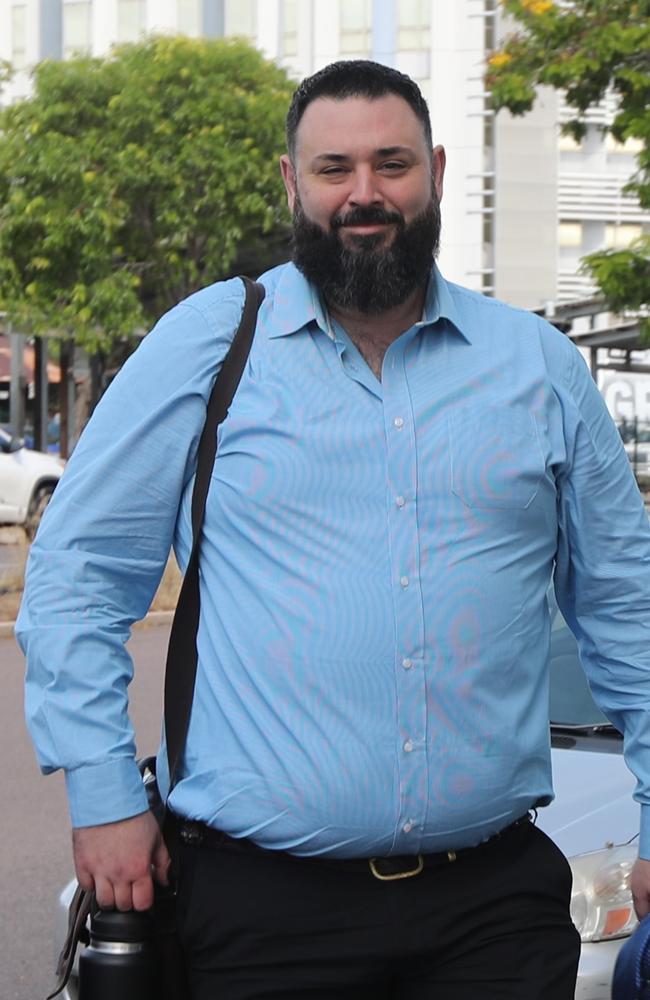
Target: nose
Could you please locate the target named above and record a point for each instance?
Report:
(364, 190)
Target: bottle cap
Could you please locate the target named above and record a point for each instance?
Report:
(113, 925)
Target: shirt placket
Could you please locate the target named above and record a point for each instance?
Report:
(406, 586)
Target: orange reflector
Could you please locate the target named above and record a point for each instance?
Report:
(616, 921)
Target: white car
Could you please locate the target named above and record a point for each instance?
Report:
(27, 481)
(593, 819)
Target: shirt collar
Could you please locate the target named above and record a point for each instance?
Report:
(440, 303)
(296, 303)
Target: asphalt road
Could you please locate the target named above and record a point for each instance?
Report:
(35, 859)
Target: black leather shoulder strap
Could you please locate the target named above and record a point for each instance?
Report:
(180, 671)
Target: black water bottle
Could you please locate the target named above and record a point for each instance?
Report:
(120, 961)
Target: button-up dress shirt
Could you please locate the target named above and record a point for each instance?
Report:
(374, 635)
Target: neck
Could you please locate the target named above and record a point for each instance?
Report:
(384, 327)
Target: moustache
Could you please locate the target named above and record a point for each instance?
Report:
(370, 216)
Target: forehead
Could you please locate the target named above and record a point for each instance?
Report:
(357, 124)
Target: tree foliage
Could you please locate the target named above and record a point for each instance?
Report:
(128, 182)
(587, 49)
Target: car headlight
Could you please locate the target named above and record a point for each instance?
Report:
(601, 900)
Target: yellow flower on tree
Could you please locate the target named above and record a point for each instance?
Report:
(499, 59)
(538, 7)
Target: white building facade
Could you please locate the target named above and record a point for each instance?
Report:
(521, 204)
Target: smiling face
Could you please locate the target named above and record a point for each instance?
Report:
(358, 159)
(364, 189)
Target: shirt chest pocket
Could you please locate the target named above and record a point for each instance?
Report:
(496, 457)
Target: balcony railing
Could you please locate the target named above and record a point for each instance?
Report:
(599, 197)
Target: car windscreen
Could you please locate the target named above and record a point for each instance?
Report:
(571, 701)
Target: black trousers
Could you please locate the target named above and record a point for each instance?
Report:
(493, 924)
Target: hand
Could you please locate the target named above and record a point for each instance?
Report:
(120, 860)
(640, 886)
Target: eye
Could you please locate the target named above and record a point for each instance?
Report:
(393, 166)
(333, 171)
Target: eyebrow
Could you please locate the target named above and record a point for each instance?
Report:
(394, 150)
(383, 151)
(336, 157)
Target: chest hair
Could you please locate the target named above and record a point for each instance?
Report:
(371, 352)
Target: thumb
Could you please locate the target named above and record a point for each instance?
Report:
(160, 862)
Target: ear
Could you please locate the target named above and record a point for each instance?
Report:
(289, 177)
(438, 161)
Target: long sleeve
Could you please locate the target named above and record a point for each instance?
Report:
(602, 577)
(102, 548)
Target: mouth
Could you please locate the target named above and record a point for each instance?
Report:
(363, 230)
(377, 229)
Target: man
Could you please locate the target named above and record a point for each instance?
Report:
(403, 466)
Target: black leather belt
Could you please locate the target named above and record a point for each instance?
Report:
(386, 869)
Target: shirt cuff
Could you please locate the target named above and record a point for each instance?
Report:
(105, 793)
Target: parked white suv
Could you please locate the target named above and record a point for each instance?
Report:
(27, 481)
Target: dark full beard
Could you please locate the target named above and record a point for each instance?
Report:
(366, 276)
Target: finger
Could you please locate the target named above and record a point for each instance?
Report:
(104, 893)
(123, 896)
(142, 893)
(85, 879)
(160, 864)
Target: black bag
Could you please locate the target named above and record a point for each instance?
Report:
(180, 676)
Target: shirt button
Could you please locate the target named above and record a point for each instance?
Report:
(408, 746)
(404, 582)
(407, 663)
(399, 422)
(400, 501)
(408, 826)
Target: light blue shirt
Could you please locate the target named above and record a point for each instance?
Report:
(374, 636)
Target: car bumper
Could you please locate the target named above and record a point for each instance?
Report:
(596, 968)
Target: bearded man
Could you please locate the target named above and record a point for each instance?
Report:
(404, 466)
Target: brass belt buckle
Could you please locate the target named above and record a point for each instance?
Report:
(396, 875)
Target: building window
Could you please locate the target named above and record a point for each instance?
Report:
(189, 17)
(570, 234)
(631, 146)
(618, 237)
(239, 18)
(77, 28)
(567, 144)
(131, 20)
(19, 36)
(413, 24)
(356, 27)
(289, 27)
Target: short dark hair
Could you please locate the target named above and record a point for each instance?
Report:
(355, 78)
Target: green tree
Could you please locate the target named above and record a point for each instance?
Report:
(130, 181)
(587, 49)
